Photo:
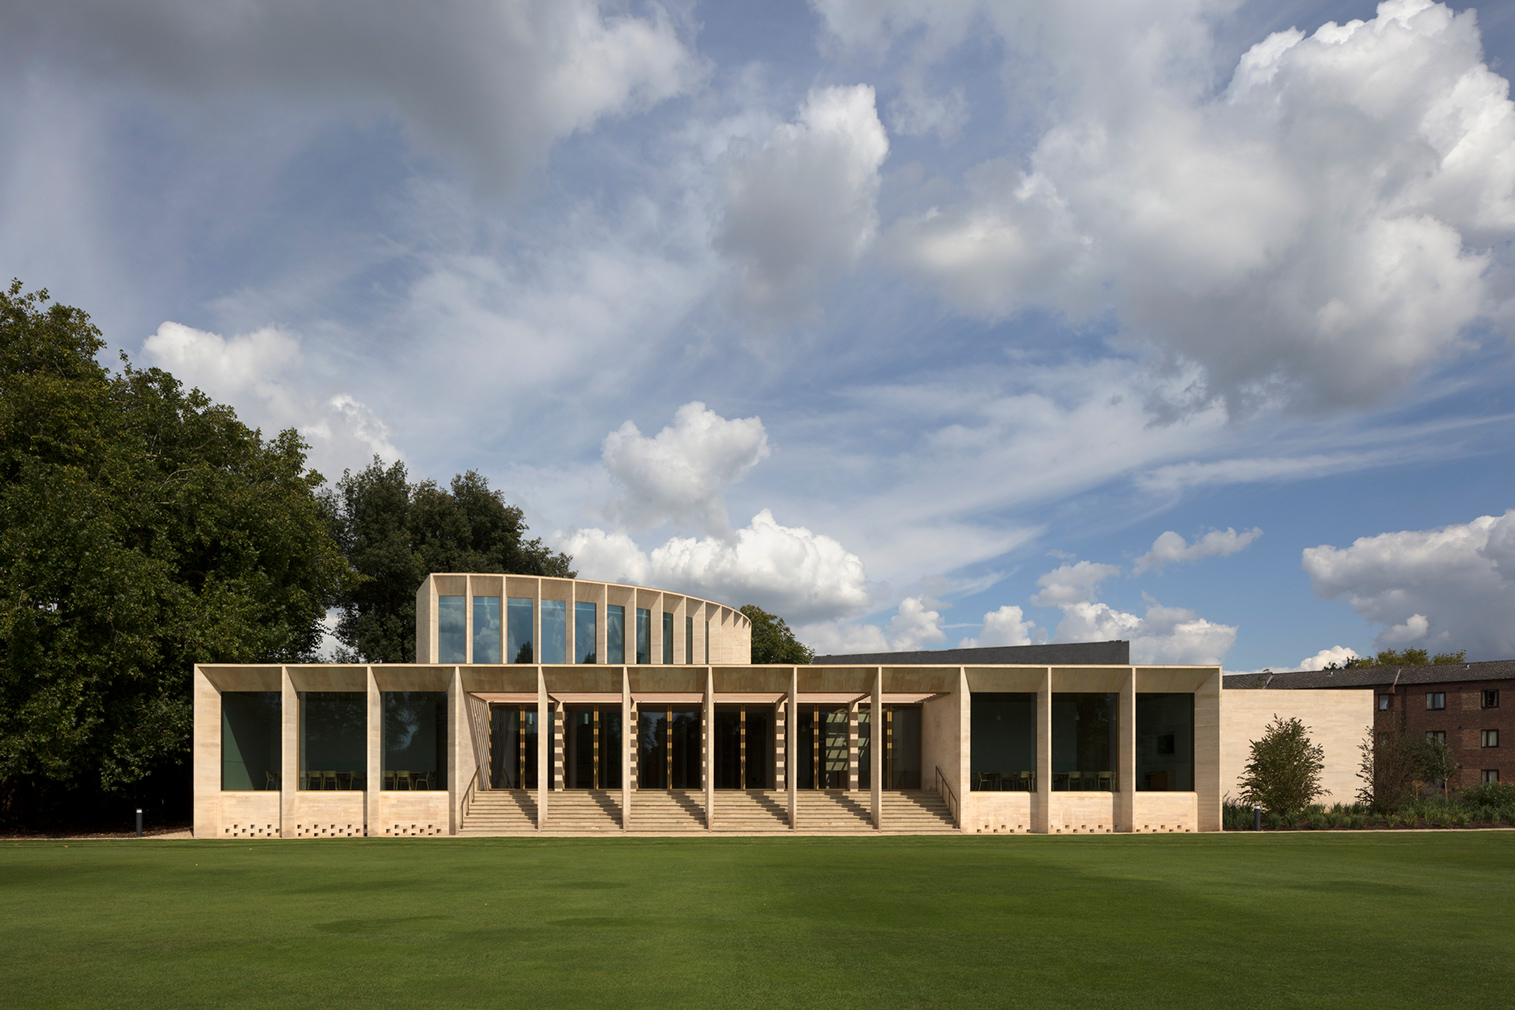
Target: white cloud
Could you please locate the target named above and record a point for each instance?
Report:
(497, 83)
(1441, 589)
(914, 626)
(1005, 626)
(1325, 228)
(1337, 654)
(1161, 635)
(260, 375)
(1172, 548)
(801, 209)
(800, 575)
(679, 473)
(1072, 583)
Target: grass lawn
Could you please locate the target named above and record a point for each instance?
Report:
(1382, 919)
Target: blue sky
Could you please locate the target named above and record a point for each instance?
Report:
(918, 323)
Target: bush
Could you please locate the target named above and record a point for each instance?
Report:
(1283, 773)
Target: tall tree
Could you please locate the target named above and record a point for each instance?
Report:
(773, 642)
(142, 529)
(395, 533)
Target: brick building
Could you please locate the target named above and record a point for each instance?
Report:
(1470, 705)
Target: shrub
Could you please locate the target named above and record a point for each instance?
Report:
(1283, 773)
(1390, 765)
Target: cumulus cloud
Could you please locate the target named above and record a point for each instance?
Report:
(913, 626)
(1161, 635)
(801, 209)
(1336, 654)
(801, 575)
(678, 474)
(259, 374)
(1172, 548)
(1323, 229)
(497, 83)
(1442, 589)
(1072, 583)
(1005, 626)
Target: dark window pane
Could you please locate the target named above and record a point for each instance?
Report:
(1083, 741)
(1165, 742)
(667, 639)
(414, 744)
(333, 739)
(1003, 745)
(486, 629)
(689, 640)
(644, 635)
(615, 634)
(902, 768)
(585, 632)
(513, 747)
(452, 630)
(554, 631)
(252, 740)
(518, 630)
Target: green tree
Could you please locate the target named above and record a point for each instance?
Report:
(1437, 763)
(1406, 657)
(143, 529)
(395, 533)
(773, 642)
(1283, 773)
(1389, 768)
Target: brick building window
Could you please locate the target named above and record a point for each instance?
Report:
(1436, 736)
(1489, 699)
(1436, 700)
(1385, 702)
(1488, 738)
(1489, 775)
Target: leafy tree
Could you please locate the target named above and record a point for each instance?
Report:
(773, 642)
(1390, 766)
(1437, 763)
(1404, 657)
(142, 529)
(1283, 773)
(395, 533)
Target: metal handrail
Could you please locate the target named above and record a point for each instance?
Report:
(468, 793)
(950, 797)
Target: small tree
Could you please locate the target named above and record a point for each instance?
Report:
(1389, 767)
(1437, 763)
(1284, 772)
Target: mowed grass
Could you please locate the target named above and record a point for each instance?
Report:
(1280, 920)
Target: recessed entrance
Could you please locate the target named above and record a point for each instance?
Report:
(668, 747)
(513, 746)
(822, 747)
(744, 747)
(902, 747)
(592, 747)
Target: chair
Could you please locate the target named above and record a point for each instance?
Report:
(1104, 782)
(272, 784)
(421, 780)
(1075, 782)
(1026, 783)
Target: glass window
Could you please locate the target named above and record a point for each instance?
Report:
(668, 747)
(486, 629)
(644, 635)
(1083, 741)
(822, 748)
(615, 634)
(585, 626)
(667, 639)
(518, 629)
(1436, 700)
(1489, 699)
(252, 740)
(414, 743)
(1436, 736)
(902, 747)
(1003, 742)
(334, 739)
(1383, 702)
(689, 641)
(1165, 742)
(1488, 738)
(452, 630)
(513, 746)
(554, 631)
(592, 747)
(1490, 775)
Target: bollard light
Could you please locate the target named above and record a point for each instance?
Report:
(139, 822)
(1257, 817)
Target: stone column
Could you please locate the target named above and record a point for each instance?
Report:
(375, 762)
(289, 761)
(628, 734)
(876, 747)
(791, 753)
(1042, 820)
(544, 756)
(1125, 770)
(709, 742)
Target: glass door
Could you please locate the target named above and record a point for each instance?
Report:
(822, 747)
(592, 746)
(668, 747)
(744, 747)
(513, 746)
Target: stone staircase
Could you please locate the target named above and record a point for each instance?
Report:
(501, 812)
(668, 810)
(916, 812)
(832, 811)
(751, 810)
(586, 810)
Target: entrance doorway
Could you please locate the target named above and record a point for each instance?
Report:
(902, 747)
(668, 747)
(822, 747)
(744, 747)
(592, 746)
(513, 746)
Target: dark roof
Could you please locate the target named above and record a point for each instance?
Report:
(1117, 653)
(1374, 676)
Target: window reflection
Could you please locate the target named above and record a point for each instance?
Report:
(513, 746)
(1084, 741)
(644, 635)
(554, 631)
(615, 634)
(452, 630)
(486, 629)
(585, 626)
(252, 740)
(414, 740)
(518, 629)
(668, 639)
